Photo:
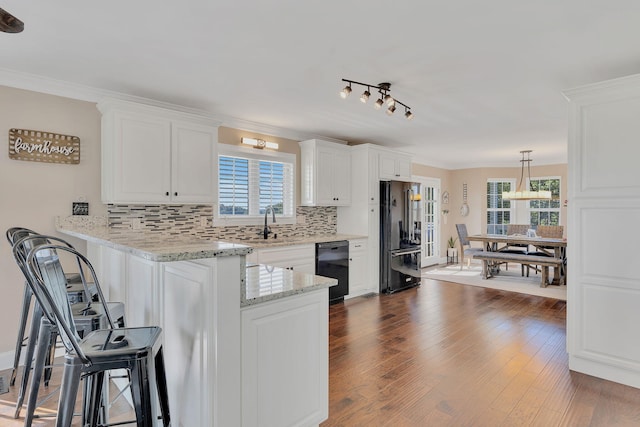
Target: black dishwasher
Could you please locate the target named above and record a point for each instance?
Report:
(332, 260)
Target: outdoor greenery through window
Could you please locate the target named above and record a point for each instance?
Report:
(248, 182)
(545, 212)
(499, 211)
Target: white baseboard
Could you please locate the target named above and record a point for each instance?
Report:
(6, 360)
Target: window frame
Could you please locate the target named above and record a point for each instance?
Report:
(530, 210)
(512, 204)
(256, 155)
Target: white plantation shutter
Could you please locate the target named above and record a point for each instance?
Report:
(248, 182)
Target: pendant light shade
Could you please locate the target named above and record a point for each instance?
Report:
(522, 193)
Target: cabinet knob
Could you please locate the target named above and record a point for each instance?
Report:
(175, 194)
(167, 193)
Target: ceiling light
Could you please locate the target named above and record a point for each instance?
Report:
(9, 23)
(259, 143)
(346, 91)
(384, 89)
(521, 193)
(365, 96)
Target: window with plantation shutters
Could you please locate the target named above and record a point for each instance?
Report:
(250, 180)
(499, 211)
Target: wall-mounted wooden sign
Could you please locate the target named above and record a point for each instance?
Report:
(39, 146)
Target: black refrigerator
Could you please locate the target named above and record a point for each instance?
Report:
(400, 228)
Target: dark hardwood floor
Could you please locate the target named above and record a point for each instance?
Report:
(445, 354)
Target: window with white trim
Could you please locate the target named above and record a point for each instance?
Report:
(249, 181)
(499, 211)
(545, 212)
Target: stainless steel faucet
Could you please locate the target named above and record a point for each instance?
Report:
(267, 230)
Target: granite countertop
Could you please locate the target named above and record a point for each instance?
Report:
(288, 241)
(158, 247)
(266, 283)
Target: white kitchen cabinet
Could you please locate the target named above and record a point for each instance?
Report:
(296, 257)
(362, 217)
(326, 175)
(358, 277)
(196, 303)
(155, 155)
(284, 364)
(394, 166)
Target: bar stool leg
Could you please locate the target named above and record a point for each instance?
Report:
(26, 304)
(38, 369)
(34, 330)
(141, 393)
(161, 384)
(68, 392)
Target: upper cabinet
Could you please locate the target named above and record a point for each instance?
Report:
(326, 173)
(155, 155)
(394, 166)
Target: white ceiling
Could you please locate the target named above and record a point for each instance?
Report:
(484, 79)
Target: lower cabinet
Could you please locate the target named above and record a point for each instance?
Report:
(358, 272)
(284, 361)
(197, 305)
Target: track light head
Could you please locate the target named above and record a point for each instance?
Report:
(389, 100)
(365, 96)
(346, 91)
(378, 104)
(408, 114)
(391, 110)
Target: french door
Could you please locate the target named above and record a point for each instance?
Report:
(430, 239)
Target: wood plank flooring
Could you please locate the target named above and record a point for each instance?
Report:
(445, 354)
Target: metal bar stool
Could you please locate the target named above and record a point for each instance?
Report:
(76, 290)
(138, 350)
(44, 332)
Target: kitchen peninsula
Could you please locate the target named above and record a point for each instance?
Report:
(242, 345)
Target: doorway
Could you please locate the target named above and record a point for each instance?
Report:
(430, 238)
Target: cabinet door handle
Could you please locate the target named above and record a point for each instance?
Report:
(167, 193)
(175, 194)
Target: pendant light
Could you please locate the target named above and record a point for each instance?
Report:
(521, 193)
(9, 23)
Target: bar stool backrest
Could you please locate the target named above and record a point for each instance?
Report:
(44, 266)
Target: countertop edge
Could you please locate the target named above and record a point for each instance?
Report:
(182, 252)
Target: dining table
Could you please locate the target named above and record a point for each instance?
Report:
(555, 247)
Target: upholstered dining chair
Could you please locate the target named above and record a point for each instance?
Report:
(466, 251)
(550, 231)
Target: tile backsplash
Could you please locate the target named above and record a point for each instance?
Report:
(187, 219)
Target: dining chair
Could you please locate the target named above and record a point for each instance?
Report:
(550, 231)
(466, 251)
(138, 350)
(43, 331)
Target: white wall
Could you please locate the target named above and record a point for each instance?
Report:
(33, 193)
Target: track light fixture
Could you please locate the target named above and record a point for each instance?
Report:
(384, 90)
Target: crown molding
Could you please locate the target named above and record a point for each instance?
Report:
(37, 83)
